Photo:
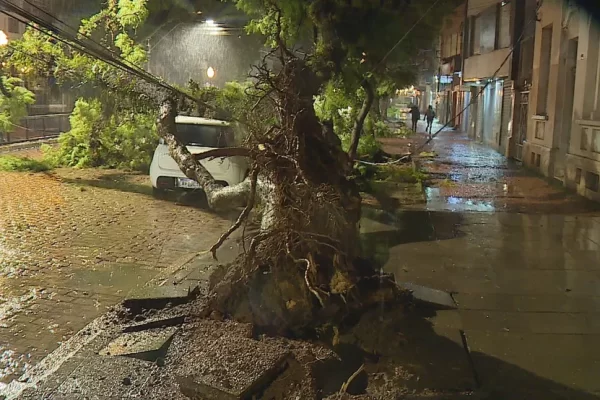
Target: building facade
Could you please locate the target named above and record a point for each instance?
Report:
(487, 71)
(563, 137)
(450, 99)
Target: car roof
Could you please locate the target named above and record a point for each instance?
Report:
(183, 119)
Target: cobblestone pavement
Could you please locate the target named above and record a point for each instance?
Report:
(74, 242)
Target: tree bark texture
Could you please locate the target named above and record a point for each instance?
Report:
(360, 119)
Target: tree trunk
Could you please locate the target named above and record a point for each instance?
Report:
(218, 197)
(384, 107)
(360, 119)
(376, 107)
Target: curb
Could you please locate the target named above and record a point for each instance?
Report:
(70, 348)
(13, 147)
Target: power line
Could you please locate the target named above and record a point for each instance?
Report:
(76, 43)
(395, 46)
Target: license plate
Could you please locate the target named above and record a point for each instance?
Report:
(187, 183)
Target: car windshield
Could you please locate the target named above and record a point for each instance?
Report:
(204, 135)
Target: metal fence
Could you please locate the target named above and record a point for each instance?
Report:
(37, 127)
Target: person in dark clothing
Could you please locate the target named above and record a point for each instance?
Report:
(429, 116)
(416, 116)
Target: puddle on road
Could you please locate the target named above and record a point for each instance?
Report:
(435, 201)
(382, 230)
(8, 307)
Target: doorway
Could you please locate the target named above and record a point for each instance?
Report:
(568, 91)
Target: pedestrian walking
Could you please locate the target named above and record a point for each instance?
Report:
(429, 116)
(416, 116)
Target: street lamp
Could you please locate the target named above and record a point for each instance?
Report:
(210, 72)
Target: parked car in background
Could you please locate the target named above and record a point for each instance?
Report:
(199, 135)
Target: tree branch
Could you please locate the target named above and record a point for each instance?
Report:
(360, 119)
(3, 88)
(243, 216)
(223, 152)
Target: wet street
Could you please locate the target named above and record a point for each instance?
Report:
(74, 242)
(521, 259)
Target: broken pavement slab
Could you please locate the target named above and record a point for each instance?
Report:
(153, 297)
(155, 322)
(220, 360)
(146, 345)
(111, 377)
(431, 297)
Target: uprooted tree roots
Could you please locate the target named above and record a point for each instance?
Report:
(302, 269)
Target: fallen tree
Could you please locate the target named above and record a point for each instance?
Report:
(303, 267)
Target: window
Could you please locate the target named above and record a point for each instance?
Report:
(540, 128)
(205, 135)
(454, 46)
(488, 26)
(592, 181)
(504, 36)
(583, 145)
(483, 31)
(545, 57)
(595, 147)
(13, 25)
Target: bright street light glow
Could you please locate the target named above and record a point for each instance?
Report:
(211, 22)
(210, 72)
(3, 39)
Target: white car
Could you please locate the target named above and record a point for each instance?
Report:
(199, 135)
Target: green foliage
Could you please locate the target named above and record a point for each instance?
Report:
(236, 101)
(338, 103)
(352, 45)
(400, 173)
(368, 146)
(131, 13)
(124, 140)
(36, 54)
(130, 51)
(107, 129)
(264, 19)
(13, 108)
(12, 163)
(377, 129)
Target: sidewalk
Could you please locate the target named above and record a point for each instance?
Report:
(521, 258)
